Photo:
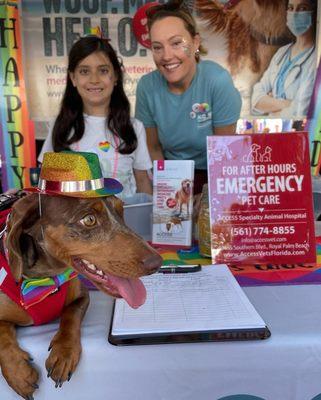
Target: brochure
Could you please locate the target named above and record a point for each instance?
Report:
(173, 202)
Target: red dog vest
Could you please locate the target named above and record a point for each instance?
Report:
(48, 309)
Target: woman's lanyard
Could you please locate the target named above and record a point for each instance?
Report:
(116, 158)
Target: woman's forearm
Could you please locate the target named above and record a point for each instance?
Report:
(156, 153)
(153, 144)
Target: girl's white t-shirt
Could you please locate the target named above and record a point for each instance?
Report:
(98, 139)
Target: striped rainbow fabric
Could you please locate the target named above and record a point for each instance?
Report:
(253, 275)
(17, 142)
(35, 290)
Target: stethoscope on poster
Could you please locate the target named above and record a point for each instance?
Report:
(296, 70)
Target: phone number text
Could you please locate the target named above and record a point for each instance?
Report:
(262, 230)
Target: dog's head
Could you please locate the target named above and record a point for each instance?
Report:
(265, 17)
(172, 222)
(168, 226)
(87, 234)
(254, 29)
(186, 186)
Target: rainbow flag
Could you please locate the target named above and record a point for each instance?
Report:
(17, 141)
(253, 275)
(314, 125)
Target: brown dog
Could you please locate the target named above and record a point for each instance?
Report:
(183, 196)
(87, 234)
(175, 223)
(254, 30)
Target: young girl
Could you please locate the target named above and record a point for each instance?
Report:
(95, 116)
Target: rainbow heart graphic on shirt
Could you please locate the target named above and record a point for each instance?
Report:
(104, 146)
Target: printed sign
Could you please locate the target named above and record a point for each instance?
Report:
(173, 202)
(260, 199)
(50, 27)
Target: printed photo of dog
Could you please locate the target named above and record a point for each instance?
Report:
(183, 197)
(254, 29)
(248, 32)
(174, 225)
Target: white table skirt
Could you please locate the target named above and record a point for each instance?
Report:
(286, 366)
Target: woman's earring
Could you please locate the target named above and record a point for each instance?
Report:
(197, 52)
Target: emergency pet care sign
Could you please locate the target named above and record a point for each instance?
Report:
(260, 199)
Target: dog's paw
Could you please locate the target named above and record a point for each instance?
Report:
(19, 372)
(63, 359)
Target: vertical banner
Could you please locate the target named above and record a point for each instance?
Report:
(314, 125)
(17, 142)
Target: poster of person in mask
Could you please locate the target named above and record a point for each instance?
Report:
(286, 86)
(269, 47)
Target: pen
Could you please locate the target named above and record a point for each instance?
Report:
(179, 269)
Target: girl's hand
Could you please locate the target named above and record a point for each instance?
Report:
(143, 182)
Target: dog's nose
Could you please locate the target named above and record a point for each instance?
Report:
(152, 262)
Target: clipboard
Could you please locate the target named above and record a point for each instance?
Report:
(180, 308)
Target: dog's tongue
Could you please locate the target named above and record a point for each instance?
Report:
(132, 290)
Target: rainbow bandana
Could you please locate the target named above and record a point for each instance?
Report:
(74, 174)
(33, 291)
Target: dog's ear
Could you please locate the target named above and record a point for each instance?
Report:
(25, 212)
(117, 204)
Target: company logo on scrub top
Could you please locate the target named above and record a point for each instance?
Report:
(201, 111)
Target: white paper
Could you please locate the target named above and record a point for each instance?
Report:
(198, 301)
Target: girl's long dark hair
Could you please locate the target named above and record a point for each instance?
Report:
(70, 117)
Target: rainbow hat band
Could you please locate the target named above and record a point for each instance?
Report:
(74, 174)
